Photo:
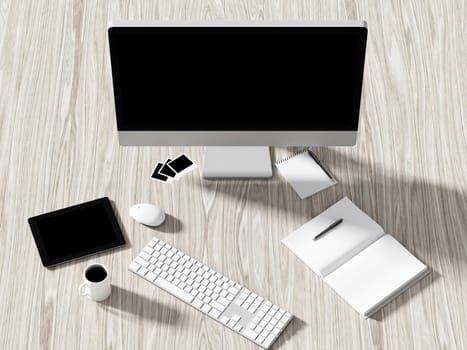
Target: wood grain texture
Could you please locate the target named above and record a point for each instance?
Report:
(59, 147)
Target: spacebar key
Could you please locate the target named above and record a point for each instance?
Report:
(169, 287)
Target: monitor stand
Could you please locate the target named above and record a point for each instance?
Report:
(237, 162)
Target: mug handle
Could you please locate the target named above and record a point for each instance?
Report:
(83, 290)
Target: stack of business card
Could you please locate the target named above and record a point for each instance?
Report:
(173, 169)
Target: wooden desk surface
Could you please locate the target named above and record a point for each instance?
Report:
(59, 147)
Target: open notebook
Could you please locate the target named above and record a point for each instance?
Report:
(364, 265)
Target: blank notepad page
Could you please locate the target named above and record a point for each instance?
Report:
(304, 174)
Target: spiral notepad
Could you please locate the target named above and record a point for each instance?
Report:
(305, 173)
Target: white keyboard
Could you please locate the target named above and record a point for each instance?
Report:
(212, 293)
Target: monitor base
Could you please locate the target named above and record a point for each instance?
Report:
(237, 162)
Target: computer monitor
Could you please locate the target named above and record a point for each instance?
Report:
(241, 84)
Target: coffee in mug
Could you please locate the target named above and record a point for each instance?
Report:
(96, 285)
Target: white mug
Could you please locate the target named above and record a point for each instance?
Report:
(96, 285)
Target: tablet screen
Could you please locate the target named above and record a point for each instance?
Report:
(76, 231)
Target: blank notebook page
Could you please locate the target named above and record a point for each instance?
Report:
(334, 248)
(304, 174)
(375, 274)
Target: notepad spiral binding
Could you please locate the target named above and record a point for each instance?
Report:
(291, 156)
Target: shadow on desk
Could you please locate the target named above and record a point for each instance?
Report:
(171, 225)
(291, 331)
(425, 215)
(427, 218)
(140, 306)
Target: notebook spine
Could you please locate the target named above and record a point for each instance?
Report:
(290, 157)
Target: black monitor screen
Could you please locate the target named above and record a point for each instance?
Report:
(237, 78)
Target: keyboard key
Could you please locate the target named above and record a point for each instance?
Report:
(237, 327)
(217, 305)
(214, 313)
(145, 256)
(179, 293)
(236, 318)
(197, 303)
(134, 267)
(206, 308)
(268, 341)
(223, 301)
(231, 323)
(150, 276)
(142, 271)
(249, 334)
(224, 319)
(142, 262)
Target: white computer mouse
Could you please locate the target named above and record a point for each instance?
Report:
(147, 214)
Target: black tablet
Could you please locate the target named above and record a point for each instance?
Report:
(76, 231)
